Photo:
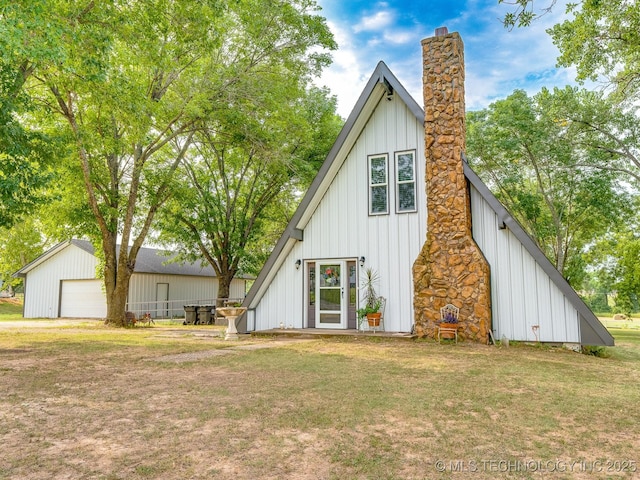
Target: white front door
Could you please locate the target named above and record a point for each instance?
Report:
(331, 304)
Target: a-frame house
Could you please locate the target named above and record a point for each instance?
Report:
(367, 207)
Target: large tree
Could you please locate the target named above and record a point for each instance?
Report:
(27, 36)
(602, 39)
(605, 132)
(133, 81)
(528, 157)
(248, 168)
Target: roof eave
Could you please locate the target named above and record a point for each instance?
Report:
(22, 273)
(381, 82)
(592, 332)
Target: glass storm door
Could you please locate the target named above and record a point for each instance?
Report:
(330, 294)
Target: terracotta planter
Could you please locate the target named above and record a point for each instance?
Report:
(445, 332)
(374, 319)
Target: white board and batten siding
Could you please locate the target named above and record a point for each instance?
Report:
(523, 295)
(530, 299)
(143, 291)
(341, 228)
(45, 281)
(62, 283)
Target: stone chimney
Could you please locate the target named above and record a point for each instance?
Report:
(451, 267)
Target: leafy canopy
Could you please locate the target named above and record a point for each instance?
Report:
(530, 157)
(602, 39)
(245, 175)
(130, 84)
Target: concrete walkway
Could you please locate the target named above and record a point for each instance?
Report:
(235, 349)
(328, 333)
(49, 323)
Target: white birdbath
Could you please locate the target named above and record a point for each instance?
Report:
(231, 313)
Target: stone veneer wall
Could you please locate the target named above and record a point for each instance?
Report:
(450, 268)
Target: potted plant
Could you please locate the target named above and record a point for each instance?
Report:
(449, 319)
(448, 325)
(372, 301)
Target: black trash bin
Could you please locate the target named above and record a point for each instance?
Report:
(204, 314)
(190, 314)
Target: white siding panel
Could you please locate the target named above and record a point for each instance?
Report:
(531, 304)
(183, 290)
(283, 300)
(83, 299)
(545, 319)
(501, 269)
(341, 228)
(558, 327)
(251, 320)
(572, 324)
(42, 291)
(517, 280)
(522, 293)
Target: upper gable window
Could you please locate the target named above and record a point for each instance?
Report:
(406, 181)
(378, 184)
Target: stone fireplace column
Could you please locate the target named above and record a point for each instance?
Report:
(450, 268)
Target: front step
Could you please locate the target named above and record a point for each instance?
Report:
(325, 333)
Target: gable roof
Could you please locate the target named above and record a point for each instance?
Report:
(149, 260)
(592, 332)
(383, 82)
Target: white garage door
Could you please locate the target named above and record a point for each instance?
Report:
(83, 299)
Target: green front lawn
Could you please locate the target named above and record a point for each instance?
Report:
(119, 404)
(10, 309)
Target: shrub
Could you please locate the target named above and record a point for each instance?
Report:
(596, 351)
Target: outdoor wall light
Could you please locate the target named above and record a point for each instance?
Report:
(298, 263)
(362, 261)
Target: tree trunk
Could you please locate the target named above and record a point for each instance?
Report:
(224, 286)
(117, 274)
(117, 302)
(560, 254)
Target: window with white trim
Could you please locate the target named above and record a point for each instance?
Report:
(406, 181)
(378, 185)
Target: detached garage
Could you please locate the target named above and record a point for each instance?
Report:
(62, 282)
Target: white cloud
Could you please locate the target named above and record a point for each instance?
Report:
(497, 61)
(373, 23)
(347, 76)
(398, 37)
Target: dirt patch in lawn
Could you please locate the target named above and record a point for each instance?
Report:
(111, 404)
(133, 412)
(11, 301)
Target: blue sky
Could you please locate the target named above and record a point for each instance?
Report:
(497, 61)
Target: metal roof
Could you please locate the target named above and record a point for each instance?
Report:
(382, 82)
(149, 260)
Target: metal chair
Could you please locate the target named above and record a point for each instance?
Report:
(449, 315)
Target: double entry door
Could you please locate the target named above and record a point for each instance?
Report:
(331, 294)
